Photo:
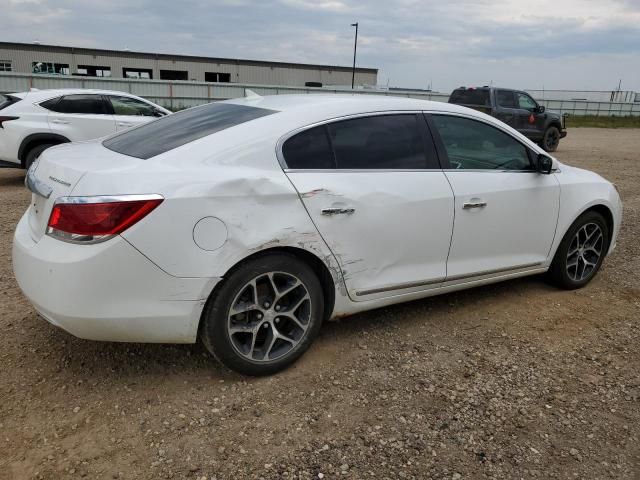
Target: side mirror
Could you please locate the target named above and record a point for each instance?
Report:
(541, 109)
(544, 164)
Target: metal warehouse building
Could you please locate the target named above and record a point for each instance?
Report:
(89, 62)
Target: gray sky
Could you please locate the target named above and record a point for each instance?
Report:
(571, 44)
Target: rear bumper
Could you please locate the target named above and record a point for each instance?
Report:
(107, 291)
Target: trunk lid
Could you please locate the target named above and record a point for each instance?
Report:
(57, 172)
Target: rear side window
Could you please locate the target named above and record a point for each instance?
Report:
(6, 100)
(78, 104)
(505, 99)
(382, 142)
(181, 128)
(471, 96)
(309, 150)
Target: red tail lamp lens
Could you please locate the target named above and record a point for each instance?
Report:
(99, 219)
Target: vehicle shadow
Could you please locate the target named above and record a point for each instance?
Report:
(11, 177)
(124, 362)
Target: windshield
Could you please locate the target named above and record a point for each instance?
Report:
(181, 128)
(471, 96)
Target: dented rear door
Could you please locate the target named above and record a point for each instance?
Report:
(381, 202)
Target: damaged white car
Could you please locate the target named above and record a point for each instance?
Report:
(247, 223)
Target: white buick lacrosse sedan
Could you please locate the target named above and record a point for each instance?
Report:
(247, 223)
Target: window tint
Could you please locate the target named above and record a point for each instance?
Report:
(525, 101)
(471, 96)
(82, 104)
(309, 149)
(505, 99)
(181, 128)
(382, 142)
(131, 106)
(6, 100)
(475, 145)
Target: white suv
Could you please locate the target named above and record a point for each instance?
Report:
(31, 122)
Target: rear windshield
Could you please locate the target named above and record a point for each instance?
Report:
(6, 100)
(471, 97)
(178, 129)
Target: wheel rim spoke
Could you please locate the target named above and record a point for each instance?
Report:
(584, 252)
(269, 317)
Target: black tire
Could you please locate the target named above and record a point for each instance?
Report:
(559, 273)
(214, 331)
(551, 139)
(34, 153)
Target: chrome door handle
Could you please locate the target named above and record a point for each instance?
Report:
(124, 124)
(470, 205)
(338, 211)
(60, 122)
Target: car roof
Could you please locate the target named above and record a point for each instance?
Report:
(325, 106)
(38, 95)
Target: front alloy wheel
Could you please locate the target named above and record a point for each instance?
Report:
(581, 252)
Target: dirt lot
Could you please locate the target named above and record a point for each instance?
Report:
(516, 380)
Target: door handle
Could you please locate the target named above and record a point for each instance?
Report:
(338, 211)
(470, 205)
(57, 121)
(124, 124)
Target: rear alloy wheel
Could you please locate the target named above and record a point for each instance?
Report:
(34, 153)
(264, 316)
(581, 252)
(551, 139)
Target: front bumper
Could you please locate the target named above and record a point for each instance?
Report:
(107, 291)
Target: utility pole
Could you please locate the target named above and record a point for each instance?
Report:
(355, 49)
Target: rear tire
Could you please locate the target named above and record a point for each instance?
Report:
(34, 153)
(551, 139)
(581, 252)
(264, 316)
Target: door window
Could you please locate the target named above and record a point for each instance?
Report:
(79, 104)
(131, 106)
(475, 145)
(526, 102)
(505, 99)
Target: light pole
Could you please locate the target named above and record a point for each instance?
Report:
(355, 48)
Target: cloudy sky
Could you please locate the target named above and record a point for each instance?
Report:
(572, 44)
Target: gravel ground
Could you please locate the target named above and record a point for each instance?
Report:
(515, 380)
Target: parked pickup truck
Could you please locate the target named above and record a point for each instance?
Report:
(518, 110)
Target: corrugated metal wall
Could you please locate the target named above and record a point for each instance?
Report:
(188, 94)
(241, 71)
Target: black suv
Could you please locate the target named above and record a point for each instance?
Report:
(518, 110)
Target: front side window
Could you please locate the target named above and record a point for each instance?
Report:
(381, 142)
(181, 128)
(78, 104)
(471, 144)
(131, 106)
(526, 102)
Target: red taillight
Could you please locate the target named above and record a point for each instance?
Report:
(6, 119)
(91, 222)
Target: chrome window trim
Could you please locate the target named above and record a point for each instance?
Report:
(287, 136)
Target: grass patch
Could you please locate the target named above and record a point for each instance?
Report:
(602, 122)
